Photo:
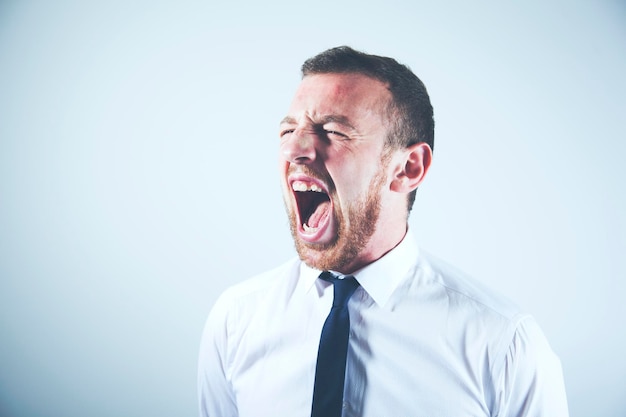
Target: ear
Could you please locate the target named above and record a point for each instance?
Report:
(412, 168)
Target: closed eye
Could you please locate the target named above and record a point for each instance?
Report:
(286, 132)
(334, 134)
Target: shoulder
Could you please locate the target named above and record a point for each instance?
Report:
(236, 308)
(463, 288)
(246, 295)
(524, 370)
(474, 315)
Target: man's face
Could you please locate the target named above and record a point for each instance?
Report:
(334, 169)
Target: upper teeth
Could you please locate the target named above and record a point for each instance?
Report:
(302, 186)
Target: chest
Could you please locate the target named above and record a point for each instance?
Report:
(420, 360)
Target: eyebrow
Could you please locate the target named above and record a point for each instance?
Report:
(331, 118)
(288, 119)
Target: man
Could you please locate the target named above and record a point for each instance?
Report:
(407, 335)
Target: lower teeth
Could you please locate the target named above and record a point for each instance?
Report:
(308, 228)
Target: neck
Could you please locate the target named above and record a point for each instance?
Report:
(382, 242)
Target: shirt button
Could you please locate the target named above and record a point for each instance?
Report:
(344, 405)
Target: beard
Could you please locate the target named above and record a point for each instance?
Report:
(354, 231)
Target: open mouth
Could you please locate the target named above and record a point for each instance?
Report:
(314, 206)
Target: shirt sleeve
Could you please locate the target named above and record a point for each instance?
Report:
(215, 394)
(531, 379)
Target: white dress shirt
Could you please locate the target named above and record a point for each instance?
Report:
(425, 341)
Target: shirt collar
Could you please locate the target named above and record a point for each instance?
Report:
(308, 276)
(380, 278)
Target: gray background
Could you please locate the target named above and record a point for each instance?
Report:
(138, 178)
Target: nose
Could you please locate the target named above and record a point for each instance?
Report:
(298, 147)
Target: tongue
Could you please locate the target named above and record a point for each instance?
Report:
(321, 211)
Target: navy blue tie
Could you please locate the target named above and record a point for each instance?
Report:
(330, 372)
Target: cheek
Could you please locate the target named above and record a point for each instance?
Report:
(352, 185)
(357, 176)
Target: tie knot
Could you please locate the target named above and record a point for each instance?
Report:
(343, 288)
